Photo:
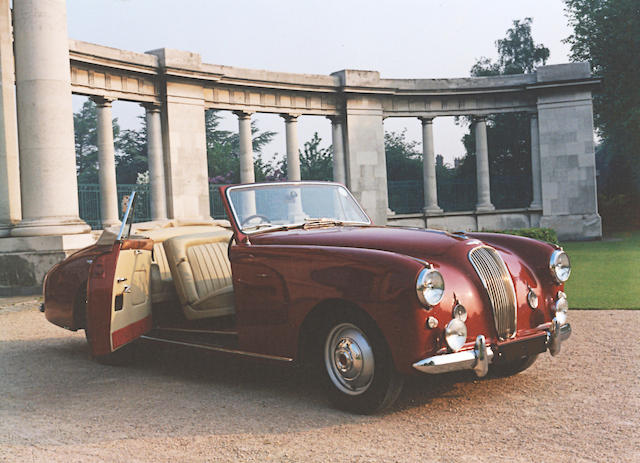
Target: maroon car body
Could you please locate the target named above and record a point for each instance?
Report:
(291, 285)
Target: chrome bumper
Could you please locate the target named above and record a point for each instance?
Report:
(479, 358)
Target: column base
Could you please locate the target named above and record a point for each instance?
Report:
(485, 207)
(574, 227)
(5, 230)
(535, 206)
(45, 227)
(24, 261)
(111, 223)
(432, 210)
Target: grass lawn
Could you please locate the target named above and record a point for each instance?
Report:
(605, 274)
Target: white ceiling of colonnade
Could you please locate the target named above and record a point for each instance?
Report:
(398, 38)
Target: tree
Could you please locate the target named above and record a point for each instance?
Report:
(508, 134)
(315, 163)
(130, 147)
(131, 153)
(223, 151)
(85, 127)
(607, 34)
(404, 160)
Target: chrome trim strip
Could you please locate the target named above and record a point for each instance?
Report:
(187, 330)
(495, 278)
(220, 349)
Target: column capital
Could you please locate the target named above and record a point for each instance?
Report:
(290, 117)
(243, 114)
(152, 107)
(336, 118)
(476, 118)
(533, 115)
(103, 101)
(426, 119)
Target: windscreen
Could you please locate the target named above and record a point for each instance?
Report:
(258, 207)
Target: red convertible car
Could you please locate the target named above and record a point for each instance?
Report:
(300, 275)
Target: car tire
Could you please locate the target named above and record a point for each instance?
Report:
(358, 370)
(504, 369)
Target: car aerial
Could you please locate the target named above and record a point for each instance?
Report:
(300, 275)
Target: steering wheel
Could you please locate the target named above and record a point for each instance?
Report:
(262, 218)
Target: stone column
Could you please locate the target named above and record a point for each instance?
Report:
(247, 174)
(45, 122)
(482, 166)
(429, 168)
(339, 174)
(156, 162)
(9, 173)
(536, 179)
(107, 164)
(293, 157)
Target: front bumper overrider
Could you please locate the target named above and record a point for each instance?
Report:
(479, 358)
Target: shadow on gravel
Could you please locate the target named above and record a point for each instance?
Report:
(173, 391)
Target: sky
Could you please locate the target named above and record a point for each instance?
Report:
(399, 39)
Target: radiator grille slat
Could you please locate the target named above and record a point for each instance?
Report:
(496, 279)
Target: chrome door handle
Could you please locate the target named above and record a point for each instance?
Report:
(121, 279)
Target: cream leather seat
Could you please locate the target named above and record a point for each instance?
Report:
(201, 273)
(162, 287)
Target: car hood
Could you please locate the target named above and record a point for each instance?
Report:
(414, 242)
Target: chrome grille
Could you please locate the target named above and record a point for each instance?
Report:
(496, 279)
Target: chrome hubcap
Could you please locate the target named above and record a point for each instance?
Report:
(348, 357)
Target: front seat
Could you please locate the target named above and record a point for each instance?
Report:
(202, 273)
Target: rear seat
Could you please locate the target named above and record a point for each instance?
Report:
(201, 273)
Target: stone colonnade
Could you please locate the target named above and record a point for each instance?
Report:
(39, 216)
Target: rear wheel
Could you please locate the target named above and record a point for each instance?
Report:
(514, 367)
(358, 369)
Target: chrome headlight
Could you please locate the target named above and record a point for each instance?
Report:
(560, 265)
(455, 334)
(561, 308)
(430, 287)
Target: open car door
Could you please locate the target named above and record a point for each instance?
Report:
(118, 294)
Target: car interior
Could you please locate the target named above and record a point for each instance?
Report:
(189, 267)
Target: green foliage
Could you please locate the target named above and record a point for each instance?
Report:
(543, 234)
(404, 160)
(607, 34)
(130, 147)
(508, 134)
(223, 151)
(605, 274)
(316, 163)
(131, 154)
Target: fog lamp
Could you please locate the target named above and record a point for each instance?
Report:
(561, 307)
(532, 299)
(455, 334)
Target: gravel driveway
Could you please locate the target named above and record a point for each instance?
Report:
(58, 405)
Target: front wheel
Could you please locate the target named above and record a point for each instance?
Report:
(358, 368)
